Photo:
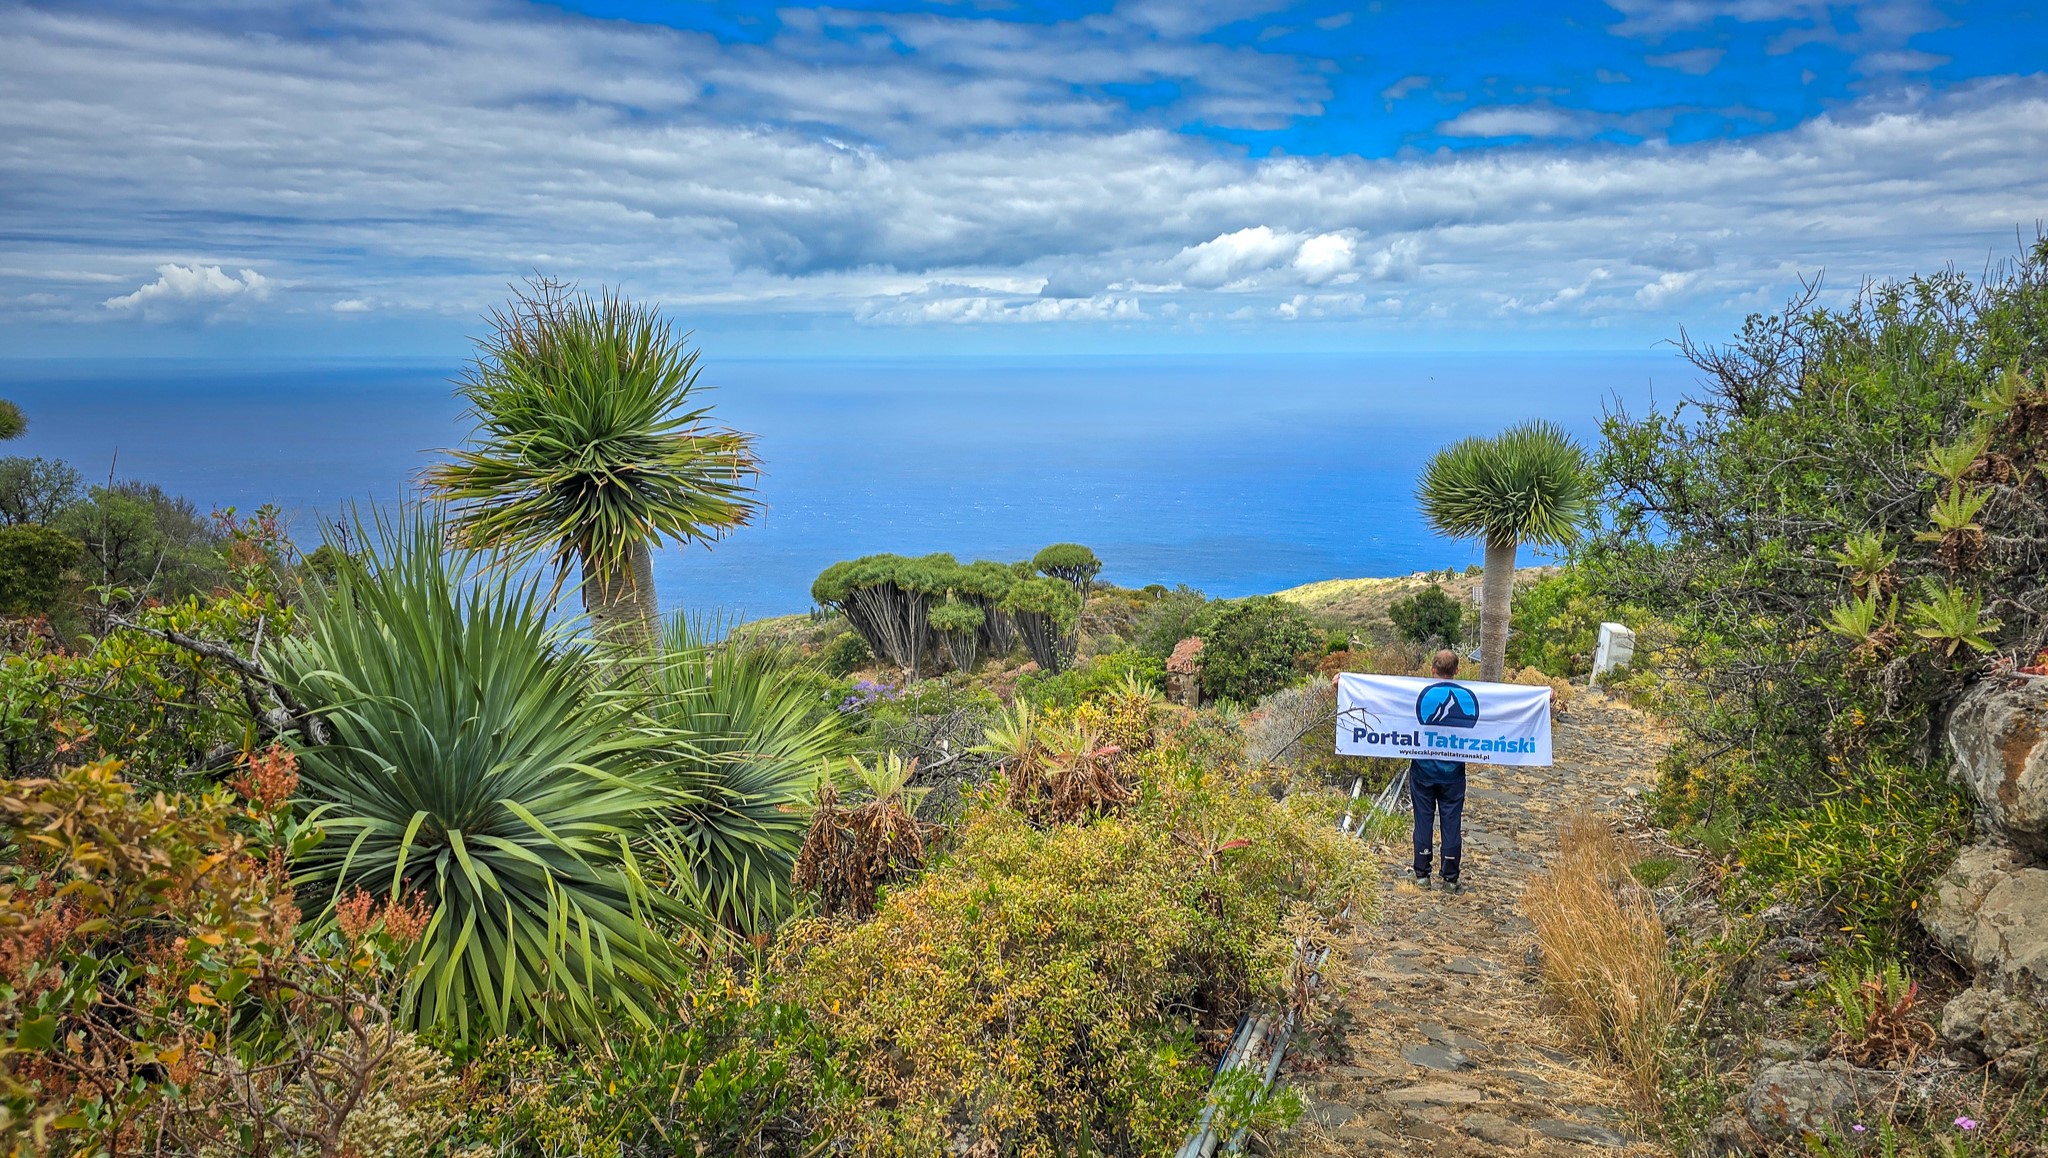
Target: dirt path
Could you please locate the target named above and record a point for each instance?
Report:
(1452, 1049)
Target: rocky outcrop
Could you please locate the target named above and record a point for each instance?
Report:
(1791, 1099)
(1991, 913)
(1997, 1027)
(1999, 734)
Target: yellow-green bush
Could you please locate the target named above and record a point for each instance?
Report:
(1034, 990)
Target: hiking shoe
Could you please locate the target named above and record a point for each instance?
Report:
(1453, 888)
(1422, 883)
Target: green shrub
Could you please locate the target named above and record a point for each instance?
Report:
(1172, 616)
(169, 712)
(35, 490)
(847, 654)
(1254, 646)
(1836, 458)
(1428, 616)
(1044, 974)
(733, 1071)
(1865, 854)
(33, 561)
(1101, 674)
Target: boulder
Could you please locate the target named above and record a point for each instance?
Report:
(1991, 1024)
(1788, 1100)
(1999, 733)
(1990, 912)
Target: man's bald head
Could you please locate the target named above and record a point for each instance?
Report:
(1445, 664)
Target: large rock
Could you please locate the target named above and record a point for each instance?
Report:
(2000, 738)
(1990, 1023)
(1991, 913)
(1789, 1100)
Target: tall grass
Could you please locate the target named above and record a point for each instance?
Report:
(1603, 949)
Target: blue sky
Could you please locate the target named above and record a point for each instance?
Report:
(245, 177)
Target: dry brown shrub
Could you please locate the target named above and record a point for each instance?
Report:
(852, 851)
(1604, 955)
(1560, 689)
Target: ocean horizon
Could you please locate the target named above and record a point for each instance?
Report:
(1234, 474)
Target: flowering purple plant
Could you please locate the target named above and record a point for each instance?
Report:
(1966, 1123)
(866, 694)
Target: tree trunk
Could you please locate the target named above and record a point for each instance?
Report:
(624, 610)
(1495, 593)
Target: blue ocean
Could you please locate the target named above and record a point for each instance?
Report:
(1232, 474)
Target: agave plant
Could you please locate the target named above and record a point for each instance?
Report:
(1527, 485)
(748, 744)
(475, 762)
(592, 447)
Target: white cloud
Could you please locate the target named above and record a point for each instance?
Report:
(179, 289)
(1667, 286)
(1230, 256)
(351, 306)
(1325, 256)
(965, 305)
(1516, 121)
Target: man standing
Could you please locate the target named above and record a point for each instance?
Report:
(1437, 789)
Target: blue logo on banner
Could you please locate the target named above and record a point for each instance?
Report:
(1447, 705)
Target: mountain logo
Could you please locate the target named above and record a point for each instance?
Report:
(1447, 705)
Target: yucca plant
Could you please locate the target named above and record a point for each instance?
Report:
(748, 746)
(592, 447)
(476, 762)
(1527, 485)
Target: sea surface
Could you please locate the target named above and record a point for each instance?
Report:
(1234, 475)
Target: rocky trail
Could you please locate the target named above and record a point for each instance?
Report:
(1451, 1048)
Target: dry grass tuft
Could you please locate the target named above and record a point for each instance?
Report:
(1604, 954)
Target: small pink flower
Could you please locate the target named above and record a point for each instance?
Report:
(1857, 1129)
(1967, 1123)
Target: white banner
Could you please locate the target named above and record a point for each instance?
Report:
(1411, 718)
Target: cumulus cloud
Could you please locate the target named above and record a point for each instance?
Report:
(1230, 256)
(1325, 257)
(179, 289)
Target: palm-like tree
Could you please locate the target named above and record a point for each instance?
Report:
(1528, 484)
(592, 448)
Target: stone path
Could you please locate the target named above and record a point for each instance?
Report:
(1452, 1050)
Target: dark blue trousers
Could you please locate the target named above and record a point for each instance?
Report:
(1439, 800)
